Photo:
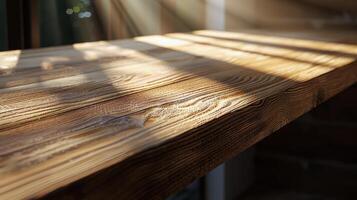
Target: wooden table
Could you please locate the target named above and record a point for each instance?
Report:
(140, 118)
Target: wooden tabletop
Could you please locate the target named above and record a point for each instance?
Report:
(142, 118)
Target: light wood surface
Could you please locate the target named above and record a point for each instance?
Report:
(141, 118)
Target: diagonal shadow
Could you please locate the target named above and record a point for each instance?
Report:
(197, 65)
(286, 46)
(258, 48)
(29, 81)
(235, 77)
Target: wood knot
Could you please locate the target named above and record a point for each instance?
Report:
(122, 122)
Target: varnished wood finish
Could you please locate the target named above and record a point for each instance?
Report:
(141, 118)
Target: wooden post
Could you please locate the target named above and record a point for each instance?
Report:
(167, 18)
(34, 24)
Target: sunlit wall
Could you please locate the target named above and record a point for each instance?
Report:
(292, 14)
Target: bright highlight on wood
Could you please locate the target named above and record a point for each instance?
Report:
(137, 113)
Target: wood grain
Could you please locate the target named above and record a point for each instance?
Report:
(141, 118)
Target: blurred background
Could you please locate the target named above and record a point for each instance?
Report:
(311, 158)
(40, 23)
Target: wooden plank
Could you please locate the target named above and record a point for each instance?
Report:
(147, 124)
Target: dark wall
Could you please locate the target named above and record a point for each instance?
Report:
(315, 155)
(3, 33)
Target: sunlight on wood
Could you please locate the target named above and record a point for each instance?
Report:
(291, 69)
(315, 45)
(68, 112)
(265, 50)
